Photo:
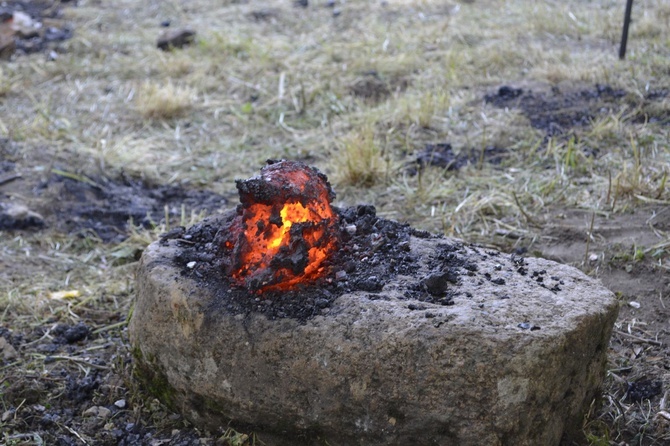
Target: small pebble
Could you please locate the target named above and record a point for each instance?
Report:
(98, 411)
(351, 229)
(121, 404)
(634, 304)
(190, 265)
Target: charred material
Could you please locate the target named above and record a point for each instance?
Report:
(285, 230)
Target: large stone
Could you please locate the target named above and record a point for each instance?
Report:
(515, 358)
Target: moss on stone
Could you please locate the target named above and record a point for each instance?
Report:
(146, 371)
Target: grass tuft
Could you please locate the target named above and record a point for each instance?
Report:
(164, 100)
(360, 160)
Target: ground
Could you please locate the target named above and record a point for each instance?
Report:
(510, 124)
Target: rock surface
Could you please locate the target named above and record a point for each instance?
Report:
(18, 216)
(516, 360)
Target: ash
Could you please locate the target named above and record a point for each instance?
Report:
(373, 253)
(372, 250)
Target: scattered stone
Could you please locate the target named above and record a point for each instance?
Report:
(18, 216)
(7, 40)
(176, 38)
(25, 27)
(29, 31)
(98, 412)
(7, 350)
(121, 404)
(634, 304)
(53, 34)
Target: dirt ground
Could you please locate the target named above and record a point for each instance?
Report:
(76, 211)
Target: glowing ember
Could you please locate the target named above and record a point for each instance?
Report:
(285, 228)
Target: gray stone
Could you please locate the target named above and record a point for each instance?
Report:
(98, 412)
(175, 38)
(515, 360)
(7, 351)
(17, 216)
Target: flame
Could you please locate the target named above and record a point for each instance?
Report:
(287, 228)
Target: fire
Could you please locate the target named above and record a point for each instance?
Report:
(285, 229)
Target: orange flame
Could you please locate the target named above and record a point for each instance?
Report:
(287, 228)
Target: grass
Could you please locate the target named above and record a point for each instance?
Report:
(357, 95)
(164, 101)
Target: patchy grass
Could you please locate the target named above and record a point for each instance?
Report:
(359, 95)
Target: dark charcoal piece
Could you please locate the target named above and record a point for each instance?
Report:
(66, 334)
(504, 94)
(52, 34)
(177, 38)
(370, 284)
(643, 390)
(438, 283)
(509, 92)
(76, 333)
(82, 390)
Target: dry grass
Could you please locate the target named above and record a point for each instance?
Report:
(360, 161)
(164, 101)
(281, 87)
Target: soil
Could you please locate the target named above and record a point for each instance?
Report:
(557, 112)
(442, 155)
(83, 205)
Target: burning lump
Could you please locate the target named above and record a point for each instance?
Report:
(285, 229)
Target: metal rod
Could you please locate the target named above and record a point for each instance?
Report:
(626, 24)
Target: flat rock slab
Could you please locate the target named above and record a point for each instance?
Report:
(515, 358)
